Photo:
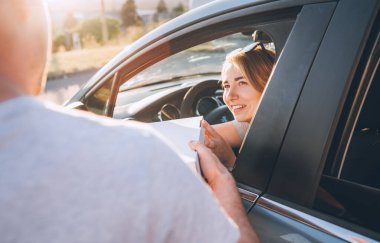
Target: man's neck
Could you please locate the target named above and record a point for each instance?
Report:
(9, 89)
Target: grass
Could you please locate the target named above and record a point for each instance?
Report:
(65, 63)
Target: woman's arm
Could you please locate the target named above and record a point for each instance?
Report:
(229, 133)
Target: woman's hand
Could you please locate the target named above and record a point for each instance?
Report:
(218, 145)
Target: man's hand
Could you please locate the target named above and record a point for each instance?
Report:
(218, 145)
(213, 171)
(224, 188)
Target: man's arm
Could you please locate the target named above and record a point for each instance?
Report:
(224, 188)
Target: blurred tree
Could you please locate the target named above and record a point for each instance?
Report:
(129, 15)
(93, 27)
(161, 7)
(161, 12)
(177, 11)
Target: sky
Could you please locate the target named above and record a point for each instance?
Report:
(60, 8)
(93, 5)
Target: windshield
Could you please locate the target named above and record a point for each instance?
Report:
(206, 58)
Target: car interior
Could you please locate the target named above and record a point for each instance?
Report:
(197, 97)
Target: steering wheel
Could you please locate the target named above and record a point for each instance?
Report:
(219, 115)
(199, 90)
(205, 88)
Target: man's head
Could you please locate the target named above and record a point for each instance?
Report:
(24, 47)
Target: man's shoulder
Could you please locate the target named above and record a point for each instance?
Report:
(82, 136)
(123, 138)
(92, 124)
(55, 126)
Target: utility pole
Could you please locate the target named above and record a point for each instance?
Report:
(104, 24)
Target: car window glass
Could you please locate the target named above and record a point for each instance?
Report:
(362, 161)
(354, 193)
(98, 101)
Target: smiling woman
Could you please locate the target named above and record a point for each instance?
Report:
(244, 76)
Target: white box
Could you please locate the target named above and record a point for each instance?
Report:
(179, 133)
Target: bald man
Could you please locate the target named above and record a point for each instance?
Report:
(73, 177)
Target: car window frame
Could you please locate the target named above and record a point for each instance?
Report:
(246, 20)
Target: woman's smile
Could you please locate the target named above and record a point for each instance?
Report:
(237, 108)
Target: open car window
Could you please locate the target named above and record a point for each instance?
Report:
(157, 93)
(206, 58)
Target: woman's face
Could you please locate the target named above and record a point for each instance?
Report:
(239, 94)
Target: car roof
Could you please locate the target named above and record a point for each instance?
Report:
(196, 3)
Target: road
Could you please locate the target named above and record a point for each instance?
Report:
(60, 90)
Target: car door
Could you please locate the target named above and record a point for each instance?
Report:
(323, 112)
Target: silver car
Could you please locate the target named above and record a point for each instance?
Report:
(308, 170)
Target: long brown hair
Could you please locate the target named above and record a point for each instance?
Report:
(256, 65)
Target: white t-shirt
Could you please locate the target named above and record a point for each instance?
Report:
(66, 176)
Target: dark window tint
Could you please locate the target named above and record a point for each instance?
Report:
(362, 162)
(350, 185)
(353, 194)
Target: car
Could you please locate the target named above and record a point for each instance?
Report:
(308, 169)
